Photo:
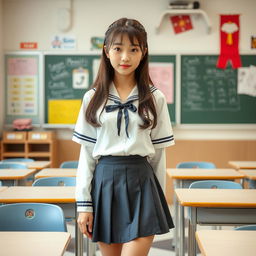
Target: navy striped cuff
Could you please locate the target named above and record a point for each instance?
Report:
(163, 140)
(84, 203)
(83, 137)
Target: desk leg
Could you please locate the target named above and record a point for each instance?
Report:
(79, 239)
(181, 231)
(176, 220)
(192, 232)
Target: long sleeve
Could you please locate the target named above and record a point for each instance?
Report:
(84, 177)
(158, 163)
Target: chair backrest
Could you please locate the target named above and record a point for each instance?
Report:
(12, 166)
(222, 184)
(18, 160)
(247, 227)
(69, 164)
(55, 181)
(202, 165)
(32, 217)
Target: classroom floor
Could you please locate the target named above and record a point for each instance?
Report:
(162, 245)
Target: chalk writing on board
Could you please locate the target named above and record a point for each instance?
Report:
(206, 88)
(60, 79)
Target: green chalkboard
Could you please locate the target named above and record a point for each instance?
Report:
(167, 59)
(60, 71)
(67, 77)
(209, 95)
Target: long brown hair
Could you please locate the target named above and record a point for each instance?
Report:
(105, 75)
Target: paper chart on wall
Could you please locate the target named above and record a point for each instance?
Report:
(22, 81)
(163, 78)
(246, 81)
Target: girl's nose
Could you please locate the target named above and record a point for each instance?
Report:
(125, 56)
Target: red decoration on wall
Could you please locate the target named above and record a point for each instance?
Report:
(28, 45)
(229, 41)
(181, 23)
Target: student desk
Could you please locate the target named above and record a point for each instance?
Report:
(215, 207)
(38, 165)
(226, 242)
(249, 174)
(33, 243)
(63, 196)
(3, 188)
(56, 172)
(243, 164)
(184, 177)
(13, 177)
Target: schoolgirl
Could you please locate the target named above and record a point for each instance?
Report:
(123, 128)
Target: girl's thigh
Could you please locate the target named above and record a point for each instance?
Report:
(137, 247)
(110, 249)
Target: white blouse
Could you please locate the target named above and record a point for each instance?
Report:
(120, 135)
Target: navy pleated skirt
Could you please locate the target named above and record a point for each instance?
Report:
(128, 200)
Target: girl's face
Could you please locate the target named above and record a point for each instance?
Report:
(124, 56)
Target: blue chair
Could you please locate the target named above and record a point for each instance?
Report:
(55, 181)
(196, 164)
(12, 166)
(18, 160)
(222, 184)
(247, 227)
(69, 164)
(32, 217)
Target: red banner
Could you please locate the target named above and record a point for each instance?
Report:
(229, 41)
(28, 45)
(181, 23)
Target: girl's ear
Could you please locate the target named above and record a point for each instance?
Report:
(105, 50)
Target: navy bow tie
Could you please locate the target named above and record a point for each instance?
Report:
(121, 107)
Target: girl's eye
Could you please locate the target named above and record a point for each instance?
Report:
(135, 50)
(117, 49)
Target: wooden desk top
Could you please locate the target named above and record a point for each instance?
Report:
(56, 172)
(251, 174)
(3, 188)
(33, 243)
(21, 194)
(15, 174)
(226, 242)
(38, 165)
(202, 174)
(237, 198)
(243, 164)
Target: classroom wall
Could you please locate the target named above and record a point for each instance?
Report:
(91, 18)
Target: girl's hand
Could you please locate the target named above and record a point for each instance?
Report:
(85, 222)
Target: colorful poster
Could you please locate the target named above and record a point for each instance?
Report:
(63, 111)
(162, 77)
(22, 82)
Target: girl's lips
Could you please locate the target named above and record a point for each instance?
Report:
(125, 66)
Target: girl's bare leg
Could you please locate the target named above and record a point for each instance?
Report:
(110, 249)
(137, 247)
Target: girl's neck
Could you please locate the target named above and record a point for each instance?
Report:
(124, 82)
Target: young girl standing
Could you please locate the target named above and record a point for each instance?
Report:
(123, 128)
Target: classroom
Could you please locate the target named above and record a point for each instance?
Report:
(57, 45)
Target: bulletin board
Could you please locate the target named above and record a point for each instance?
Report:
(67, 78)
(22, 83)
(209, 95)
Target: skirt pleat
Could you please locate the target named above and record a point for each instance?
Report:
(128, 200)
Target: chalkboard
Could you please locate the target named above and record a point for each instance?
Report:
(63, 95)
(67, 78)
(167, 88)
(209, 95)
(22, 79)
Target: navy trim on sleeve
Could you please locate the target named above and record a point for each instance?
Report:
(83, 137)
(84, 203)
(163, 140)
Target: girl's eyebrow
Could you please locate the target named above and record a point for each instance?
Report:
(122, 44)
